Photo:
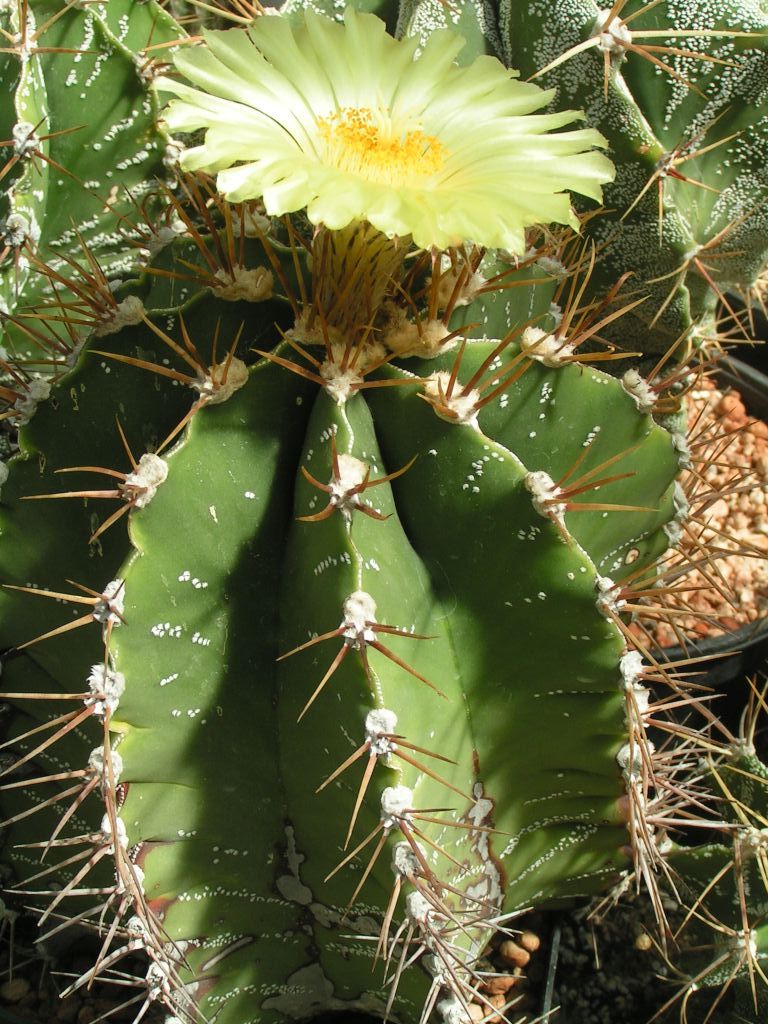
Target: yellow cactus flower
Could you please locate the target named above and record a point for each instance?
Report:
(352, 125)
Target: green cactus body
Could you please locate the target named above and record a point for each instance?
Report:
(701, 117)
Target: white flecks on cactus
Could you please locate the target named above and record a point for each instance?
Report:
(638, 388)
(141, 486)
(454, 405)
(107, 687)
(222, 381)
(359, 613)
(545, 492)
(545, 348)
(248, 285)
(96, 758)
(396, 802)
(422, 340)
(37, 390)
(25, 140)
(380, 724)
(109, 607)
(127, 313)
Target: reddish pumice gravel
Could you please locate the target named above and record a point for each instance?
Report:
(730, 503)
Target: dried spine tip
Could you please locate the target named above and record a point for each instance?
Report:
(141, 485)
(107, 687)
(125, 314)
(545, 348)
(456, 407)
(396, 801)
(240, 284)
(638, 388)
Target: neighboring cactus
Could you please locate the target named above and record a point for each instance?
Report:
(424, 548)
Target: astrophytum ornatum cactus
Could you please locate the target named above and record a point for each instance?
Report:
(357, 681)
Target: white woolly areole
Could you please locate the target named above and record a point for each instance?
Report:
(631, 667)
(107, 687)
(615, 38)
(638, 388)
(222, 381)
(141, 485)
(544, 348)
(110, 605)
(251, 285)
(252, 224)
(359, 609)
(404, 860)
(459, 408)
(135, 927)
(630, 759)
(674, 528)
(3, 473)
(417, 907)
(342, 380)
(378, 724)
(425, 340)
(25, 141)
(158, 980)
(96, 761)
(396, 801)
(608, 600)
(38, 390)
(553, 267)
(352, 473)
(122, 834)
(680, 444)
(125, 314)
(544, 490)
(19, 229)
(470, 286)
(453, 1012)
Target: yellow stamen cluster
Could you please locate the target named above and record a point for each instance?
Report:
(362, 143)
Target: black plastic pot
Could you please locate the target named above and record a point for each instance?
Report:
(732, 656)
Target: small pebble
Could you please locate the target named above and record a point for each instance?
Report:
(13, 991)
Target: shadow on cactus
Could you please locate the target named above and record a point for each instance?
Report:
(322, 544)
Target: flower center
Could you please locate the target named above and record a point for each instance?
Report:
(363, 142)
